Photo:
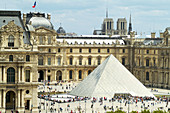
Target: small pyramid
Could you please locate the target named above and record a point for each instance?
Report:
(108, 79)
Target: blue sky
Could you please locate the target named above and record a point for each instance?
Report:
(83, 16)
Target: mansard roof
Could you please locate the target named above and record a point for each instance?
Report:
(15, 16)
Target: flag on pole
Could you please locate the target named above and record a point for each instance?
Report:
(34, 5)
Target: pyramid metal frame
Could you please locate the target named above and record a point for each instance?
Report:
(108, 79)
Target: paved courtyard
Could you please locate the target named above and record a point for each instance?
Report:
(98, 107)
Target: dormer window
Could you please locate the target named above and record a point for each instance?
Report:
(11, 41)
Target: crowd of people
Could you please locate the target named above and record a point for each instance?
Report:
(75, 104)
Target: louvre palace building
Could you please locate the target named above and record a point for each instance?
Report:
(32, 51)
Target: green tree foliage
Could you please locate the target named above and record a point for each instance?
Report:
(145, 111)
(159, 111)
(133, 112)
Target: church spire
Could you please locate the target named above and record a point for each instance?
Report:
(130, 25)
(106, 12)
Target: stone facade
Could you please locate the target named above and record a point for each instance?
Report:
(18, 68)
(46, 55)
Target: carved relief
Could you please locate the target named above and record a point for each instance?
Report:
(20, 57)
(11, 27)
(3, 57)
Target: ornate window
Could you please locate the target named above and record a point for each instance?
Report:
(70, 74)
(40, 60)
(59, 61)
(49, 61)
(80, 61)
(27, 58)
(11, 58)
(71, 61)
(40, 40)
(147, 75)
(123, 61)
(11, 75)
(59, 75)
(11, 41)
(49, 40)
(98, 60)
(147, 62)
(89, 61)
(80, 74)
(27, 76)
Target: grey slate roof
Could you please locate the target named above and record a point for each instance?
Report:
(155, 41)
(7, 16)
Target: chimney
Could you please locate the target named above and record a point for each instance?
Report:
(153, 35)
(49, 17)
(161, 35)
(24, 19)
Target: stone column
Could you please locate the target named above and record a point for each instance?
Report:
(0, 74)
(23, 77)
(0, 98)
(19, 74)
(4, 99)
(18, 98)
(46, 78)
(31, 76)
(22, 98)
(4, 75)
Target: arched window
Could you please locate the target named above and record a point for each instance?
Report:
(40, 60)
(27, 58)
(80, 74)
(59, 75)
(70, 74)
(11, 58)
(10, 75)
(147, 75)
(89, 72)
(11, 41)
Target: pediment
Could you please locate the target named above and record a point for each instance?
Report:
(43, 30)
(11, 27)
